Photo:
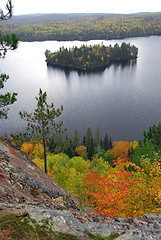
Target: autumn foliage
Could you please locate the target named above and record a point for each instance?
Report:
(124, 193)
(28, 148)
(121, 190)
(88, 27)
(82, 151)
(120, 149)
(107, 194)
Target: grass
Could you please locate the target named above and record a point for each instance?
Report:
(94, 237)
(15, 227)
(21, 226)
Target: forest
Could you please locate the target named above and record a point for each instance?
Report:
(119, 179)
(92, 57)
(85, 28)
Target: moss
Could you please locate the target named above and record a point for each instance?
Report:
(95, 237)
(21, 226)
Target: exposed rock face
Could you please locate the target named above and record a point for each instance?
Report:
(23, 182)
(24, 187)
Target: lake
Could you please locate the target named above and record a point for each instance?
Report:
(124, 100)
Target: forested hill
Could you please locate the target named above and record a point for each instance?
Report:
(66, 27)
(55, 17)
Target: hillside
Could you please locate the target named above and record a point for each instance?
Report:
(82, 27)
(25, 188)
(54, 17)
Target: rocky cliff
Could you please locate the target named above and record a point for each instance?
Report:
(25, 188)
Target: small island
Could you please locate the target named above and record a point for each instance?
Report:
(91, 58)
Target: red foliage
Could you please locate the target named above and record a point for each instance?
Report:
(107, 194)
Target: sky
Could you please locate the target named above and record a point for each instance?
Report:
(83, 6)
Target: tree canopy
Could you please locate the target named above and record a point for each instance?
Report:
(91, 57)
(88, 27)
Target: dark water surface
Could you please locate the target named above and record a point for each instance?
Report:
(124, 100)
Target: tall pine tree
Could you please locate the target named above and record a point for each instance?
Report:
(76, 140)
(91, 149)
(88, 137)
(97, 140)
(42, 122)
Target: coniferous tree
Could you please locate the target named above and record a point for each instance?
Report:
(84, 141)
(76, 140)
(42, 122)
(8, 14)
(68, 148)
(88, 137)
(8, 42)
(106, 142)
(91, 149)
(101, 144)
(97, 139)
(110, 144)
(55, 144)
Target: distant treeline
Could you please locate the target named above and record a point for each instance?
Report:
(90, 144)
(87, 27)
(91, 57)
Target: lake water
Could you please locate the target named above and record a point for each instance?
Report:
(123, 100)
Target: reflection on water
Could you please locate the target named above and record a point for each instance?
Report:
(122, 99)
(67, 71)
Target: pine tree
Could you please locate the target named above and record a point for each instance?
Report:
(97, 139)
(8, 14)
(42, 121)
(110, 144)
(55, 144)
(68, 148)
(106, 142)
(8, 42)
(91, 149)
(88, 137)
(76, 140)
(84, 141)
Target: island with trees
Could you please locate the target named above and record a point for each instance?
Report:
(91, 57)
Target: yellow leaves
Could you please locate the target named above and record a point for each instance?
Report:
(39, 162)
(134, 144)
(82, 151)
(120, 149)
(100, 165)
(125, 190)
(28, 148)
(38, 151)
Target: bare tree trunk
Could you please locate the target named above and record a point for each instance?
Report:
(45, 159)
